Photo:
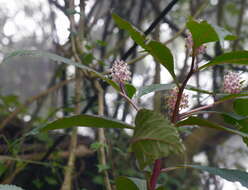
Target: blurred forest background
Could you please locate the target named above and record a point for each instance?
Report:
(34, 91)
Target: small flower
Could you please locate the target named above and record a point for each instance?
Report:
(120, 72)
(171, 100)
(190, 45)
(232, 83)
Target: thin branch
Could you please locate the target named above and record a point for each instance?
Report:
(101, 135)
(181, 89)
(151, 27)
(31, 100)
(193, 111)
(67, 183)
(239, 24)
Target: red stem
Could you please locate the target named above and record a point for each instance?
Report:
(155, 174)
(180, 92)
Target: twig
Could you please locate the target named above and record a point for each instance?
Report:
(239, 24)
(101, 135)
(151, 27)
(129, 101)
(31, 100)
(191, 112)
(181, 89)
(67, 183)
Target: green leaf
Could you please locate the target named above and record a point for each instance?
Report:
(123, 183)
(10, 187)
(88, 58)
(159, 87)
(153, 88)
(140, 183)
(202, 32)
(241, 106)
(158, 50)
(193, 88)
(161, 188)
(101, 43)
(154, 137)
(54, 57)
(102, 167)
(223, 34)
(235, 57)
(205, 123)
(50, 180)
(130, 183)
(130, 90)
(3, 168)
(86, 121)
(163, 55)
(232, 96)
(97, 145)
(244, 128)
(227, 174)
(136, 35)
(229, 117)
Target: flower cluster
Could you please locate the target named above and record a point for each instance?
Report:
(172, 98)
(120, 72)
(232, 83)
(190, 44)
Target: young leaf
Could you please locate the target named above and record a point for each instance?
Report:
(154, 137)
(86, 121)
(9, 187)
(54, 57)
(235, 57)
(205, 123)
(241, 106)
(230, 175)
(202, 32)
(130, 90)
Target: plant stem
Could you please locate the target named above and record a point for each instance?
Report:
(157, 165)
(155, 174)
(101, 135)
(67, 183)
(129, 101)
(174, 117)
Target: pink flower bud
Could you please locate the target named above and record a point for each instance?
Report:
(172, 98)
(120, 72)
(232, 83)
(190, 45)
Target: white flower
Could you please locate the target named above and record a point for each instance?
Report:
(120, 72)
(232, 83)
